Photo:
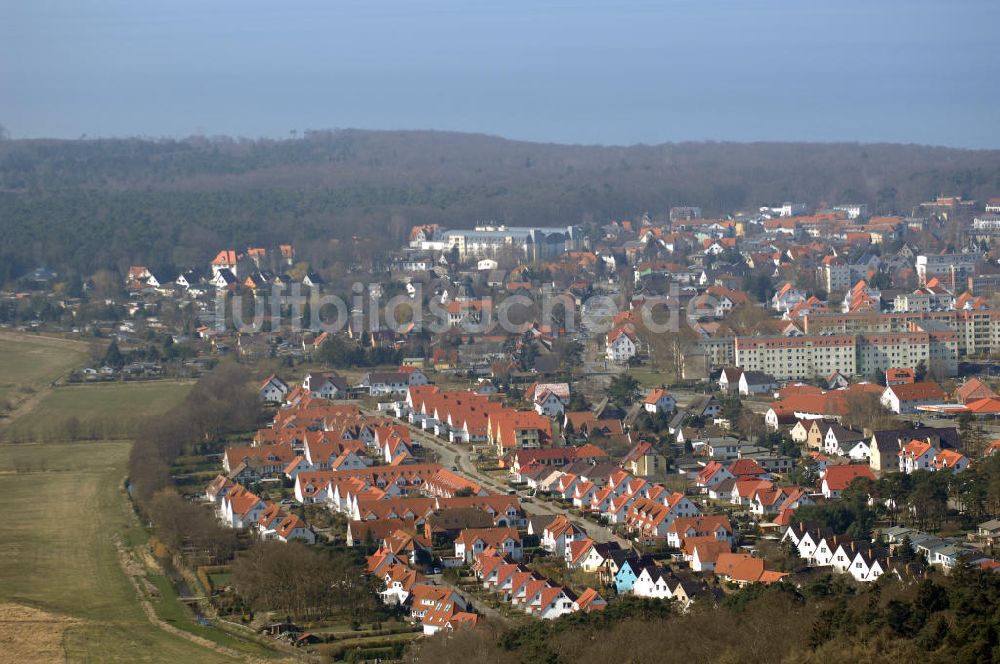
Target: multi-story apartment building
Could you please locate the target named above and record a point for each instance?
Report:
(834, 277)
(805, 357)
(839, 276)
(985, 227)
(978, 331)
(937, 350)
(852, 210)
(952, 269)
(798, 357)
(924, 299)
(984, 285)
(719, 352)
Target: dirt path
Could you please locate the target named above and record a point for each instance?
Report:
(44, 339)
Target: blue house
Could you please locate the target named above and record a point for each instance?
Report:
(628, 571)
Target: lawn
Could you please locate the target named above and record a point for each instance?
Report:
(651, 376)
(28, 362)
(63, 507)
(108, 410)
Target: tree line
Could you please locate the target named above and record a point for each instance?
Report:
(291, 579)
(826, 619)
(87, 205)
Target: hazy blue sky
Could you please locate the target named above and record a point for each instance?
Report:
(577, 71)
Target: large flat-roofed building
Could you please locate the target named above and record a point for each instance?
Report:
(937, 348)
(788, 358)
(489, 241)
(984, 285)
(977, 330)
(718, 351)
(951, 269)
(806, 357)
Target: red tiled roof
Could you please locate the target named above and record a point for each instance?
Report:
(838, 478)
(923, 391)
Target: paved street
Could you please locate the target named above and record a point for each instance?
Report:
(457, 456)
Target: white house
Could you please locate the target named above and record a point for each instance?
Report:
(273, 389)
(325, 386)
(951, 460)
(472, 541)
(659, 401)
(756, 382)
(294, 528)
(622, 345)
(550, 603)
(559, 533)
(860, 451)
(787, 297)
(906, 397)
(866, 566)
(548, 404)
(240, 508)
(388, 382)
(652, 583)
(916, 455)
(729, 379)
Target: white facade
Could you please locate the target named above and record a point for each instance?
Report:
(622, 349)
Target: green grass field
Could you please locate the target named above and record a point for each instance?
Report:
(102, 410)
(651, 376)
(64, 505)
(34, 362)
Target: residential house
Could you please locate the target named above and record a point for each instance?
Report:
(651, 518)
(712, 474)
(273, 389)
(241, 508)
(325, 386)
(916, 455)
(837, 478)
(653, 582)
(473, 541)
(950, 460)
(659, 401)
(729, 379)
(973, 390)
(842, 441)
(905, 398)
(559, 533)
(704, 406)
(293, 528)
(644, 460)
(622, 345)
(684, 528)
(549, 399)
(786, 297)
(756, 382)
(743, 570)
(629, 569)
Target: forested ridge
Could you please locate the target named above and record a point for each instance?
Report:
(89, 204)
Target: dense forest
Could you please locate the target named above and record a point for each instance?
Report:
(84, 205)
